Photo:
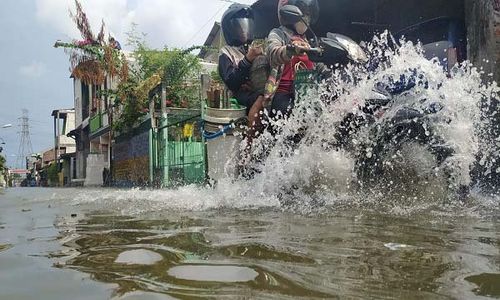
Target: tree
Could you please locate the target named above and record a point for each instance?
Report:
(92, 59)
(175, 68)
(53, 174)
(3, 169)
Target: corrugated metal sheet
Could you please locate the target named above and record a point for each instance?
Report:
(360, 19)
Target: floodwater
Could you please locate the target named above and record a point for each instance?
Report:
(118, 244)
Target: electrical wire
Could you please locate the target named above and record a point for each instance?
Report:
(206, 23)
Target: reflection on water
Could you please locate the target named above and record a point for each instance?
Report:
(273, 255)
(488, 284)
(4, 247)
(213, 273)
(138, 295)
(138, 257)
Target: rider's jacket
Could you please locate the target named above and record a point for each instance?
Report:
(234, 67)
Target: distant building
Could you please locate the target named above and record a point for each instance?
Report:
(64, 146)
(64, 122)
(47, 157)
(214, 42)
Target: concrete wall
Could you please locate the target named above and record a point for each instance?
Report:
(81, 164)
(77, 90)
(65, 141)
(95, 168)
(483, 27)
(83, 149)
(70, 123)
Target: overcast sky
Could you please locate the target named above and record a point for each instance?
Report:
(35, 76)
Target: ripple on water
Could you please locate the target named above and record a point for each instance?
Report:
(213, 273)
(138, 257)
(234, 254)
(488, 284)
(5, 247)
(144, 296)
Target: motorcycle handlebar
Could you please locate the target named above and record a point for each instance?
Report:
(317, 50)
(299, 49)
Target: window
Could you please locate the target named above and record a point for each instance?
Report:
(85, 101)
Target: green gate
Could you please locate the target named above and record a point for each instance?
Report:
(178, 150)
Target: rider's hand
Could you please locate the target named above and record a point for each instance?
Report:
(253, 52)
(297, 47)
(301, 46)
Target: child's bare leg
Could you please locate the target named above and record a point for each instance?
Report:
(255, 119)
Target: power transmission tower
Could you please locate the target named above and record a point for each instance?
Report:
(25, 148)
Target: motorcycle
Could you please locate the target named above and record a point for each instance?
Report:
(388, 132)
(387, 127)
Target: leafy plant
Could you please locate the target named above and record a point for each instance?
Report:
(52, 174)
(215, 77)
(91, 59)
(176, 69)
(2, 163)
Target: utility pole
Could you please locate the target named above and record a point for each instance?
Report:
(25, 148)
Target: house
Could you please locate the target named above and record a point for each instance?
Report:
(213, 43)
(92, 132)
(64, 122)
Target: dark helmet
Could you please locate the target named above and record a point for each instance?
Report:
(238, 25)
(310, 9)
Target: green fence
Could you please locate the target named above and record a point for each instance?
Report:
(179, 156)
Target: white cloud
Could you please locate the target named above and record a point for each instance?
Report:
(166, 22)
(33, 70)
(56, 14)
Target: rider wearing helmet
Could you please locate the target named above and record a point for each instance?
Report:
(235, 60)
(287, 46)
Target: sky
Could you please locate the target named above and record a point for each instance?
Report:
(35, 76)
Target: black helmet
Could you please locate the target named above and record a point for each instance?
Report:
(237, 25)
(310, 9)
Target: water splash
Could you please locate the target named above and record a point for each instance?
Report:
(407, 168)
(320, 170)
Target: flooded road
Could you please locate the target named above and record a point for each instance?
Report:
(68, 244)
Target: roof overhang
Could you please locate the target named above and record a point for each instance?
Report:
(63, 112)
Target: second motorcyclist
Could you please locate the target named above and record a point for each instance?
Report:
(287, 50)
(236, 59)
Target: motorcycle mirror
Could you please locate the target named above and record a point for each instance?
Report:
(292, 12)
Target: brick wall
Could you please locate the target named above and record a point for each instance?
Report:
(131, 160)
